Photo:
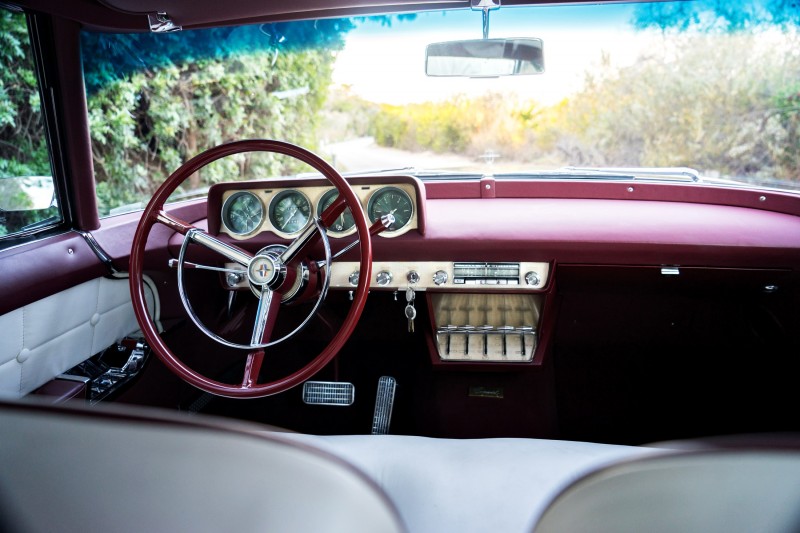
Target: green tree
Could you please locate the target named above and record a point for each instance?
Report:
(23, 149)
(163, 104)
(23, 146)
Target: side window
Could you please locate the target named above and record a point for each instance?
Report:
(27, 193)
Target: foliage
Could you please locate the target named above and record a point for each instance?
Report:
(726, 104)
(441, 127)
(346, 116)
(23, 147)
(115, 57)
(23, 150)
(713, 108)
(720, 15)
(145, 122)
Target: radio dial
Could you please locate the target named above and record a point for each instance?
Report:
(440, 277)
(532, 278)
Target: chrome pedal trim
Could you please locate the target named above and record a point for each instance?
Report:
(328, 393)
(384, 404)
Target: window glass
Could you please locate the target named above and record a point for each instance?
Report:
(673, 90)
(156, 100)
(27, 193)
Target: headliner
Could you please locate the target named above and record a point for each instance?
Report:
(131, 15)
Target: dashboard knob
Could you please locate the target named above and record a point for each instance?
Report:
(440, 277)
(384, 277)
(234, 278)
(412, 277)
(353, 279)
(532, 278)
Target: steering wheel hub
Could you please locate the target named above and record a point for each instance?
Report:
(265, 270)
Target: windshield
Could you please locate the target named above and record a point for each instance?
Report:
(683, 89)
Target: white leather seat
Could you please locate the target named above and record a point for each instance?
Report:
(721, 491)
(80, 470)
(475, 485)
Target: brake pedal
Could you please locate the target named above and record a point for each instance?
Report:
(328, 393)
(384, 403)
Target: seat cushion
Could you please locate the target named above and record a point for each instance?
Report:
(498, 485)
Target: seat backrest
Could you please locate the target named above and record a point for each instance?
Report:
(76, 470)
(711, 491)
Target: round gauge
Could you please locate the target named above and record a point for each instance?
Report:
(289, 211)
(345, 221)
(394, 201)
(242, 213)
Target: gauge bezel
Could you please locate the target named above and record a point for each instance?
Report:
(280, 195)
(382, 190)
(331, 231)
(226, 207)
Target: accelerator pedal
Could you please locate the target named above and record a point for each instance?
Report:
(328, 393)
(384, 403)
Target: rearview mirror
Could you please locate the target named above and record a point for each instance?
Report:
(485, 58)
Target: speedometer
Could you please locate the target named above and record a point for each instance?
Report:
(391, 201)
(242, 213)
(345, 221)
(289, 211)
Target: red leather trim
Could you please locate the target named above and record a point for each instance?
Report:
(781, 202)
(61, 390)
(89, 13)
(488, 187)
(116, 233)
(452, 189)
(75, 139)
(39, 269)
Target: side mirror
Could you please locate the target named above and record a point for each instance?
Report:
(485, 58)
(26, 193)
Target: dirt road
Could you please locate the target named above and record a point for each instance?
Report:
(363, 154)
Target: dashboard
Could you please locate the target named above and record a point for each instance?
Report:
(484, 256)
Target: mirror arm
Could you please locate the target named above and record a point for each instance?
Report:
(485, 6)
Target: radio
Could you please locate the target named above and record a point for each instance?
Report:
(486, 274)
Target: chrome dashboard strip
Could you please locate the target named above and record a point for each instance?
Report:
(98, 251)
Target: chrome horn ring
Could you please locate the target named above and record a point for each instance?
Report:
(266, 278)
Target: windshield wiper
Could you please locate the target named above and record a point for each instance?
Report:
(649, 173)
(418, 172)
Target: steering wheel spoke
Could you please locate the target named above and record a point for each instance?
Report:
(232, 253)
(252, 368)
(173, 222)
(312, 234)
(266, 314)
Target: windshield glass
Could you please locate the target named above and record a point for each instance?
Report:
(710, 86)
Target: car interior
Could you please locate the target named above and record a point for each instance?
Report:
(266, 337)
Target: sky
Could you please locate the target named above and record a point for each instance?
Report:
(388, 67)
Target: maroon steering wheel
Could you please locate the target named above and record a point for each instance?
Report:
(264, 271)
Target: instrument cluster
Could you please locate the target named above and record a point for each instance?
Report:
(287, 211)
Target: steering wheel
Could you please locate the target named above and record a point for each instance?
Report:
(269, 273)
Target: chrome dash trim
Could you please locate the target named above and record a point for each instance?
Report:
(98, 251)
